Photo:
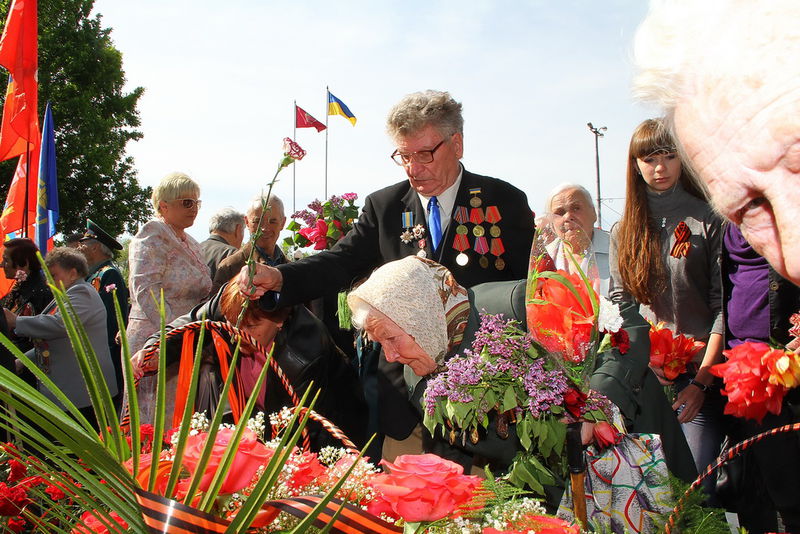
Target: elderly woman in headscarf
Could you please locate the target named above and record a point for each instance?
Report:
(422, 317)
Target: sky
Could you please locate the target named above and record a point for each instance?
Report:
(221, 79)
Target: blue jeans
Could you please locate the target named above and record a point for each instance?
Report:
(704, 433)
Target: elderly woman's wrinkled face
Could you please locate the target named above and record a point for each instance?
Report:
(572, 217)
(745, 144)
(398, 346)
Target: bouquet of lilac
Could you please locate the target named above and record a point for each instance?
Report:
(508, 374)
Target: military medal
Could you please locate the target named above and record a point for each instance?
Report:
(476, 218)
(493, 217)
(461, 218)
(461, 243)
(682, 244)
(407, 223)
(475, 201)
(497, 248)
(482, 247)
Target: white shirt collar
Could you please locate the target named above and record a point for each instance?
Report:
(446, 200)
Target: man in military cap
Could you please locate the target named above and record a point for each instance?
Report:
(98, 247)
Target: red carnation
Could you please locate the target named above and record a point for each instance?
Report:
(12, 500)
(18, 470)
(621, 340)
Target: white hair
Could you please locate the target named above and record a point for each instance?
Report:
(567, 186)
(225, 220)
(688, 47)
(258, 202)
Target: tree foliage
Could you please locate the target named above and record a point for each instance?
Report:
(80, 73)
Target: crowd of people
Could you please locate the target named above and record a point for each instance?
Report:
(431, 252)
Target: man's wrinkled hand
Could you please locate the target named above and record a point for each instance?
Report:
(264, 278)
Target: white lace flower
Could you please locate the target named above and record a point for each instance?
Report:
(608, 320)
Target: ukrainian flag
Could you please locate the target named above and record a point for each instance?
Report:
(337, 107)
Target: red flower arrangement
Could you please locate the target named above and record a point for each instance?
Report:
(756, 378)
(671, 353)
(539, 524)
(421, 488)
(561, 320)
(325, 222)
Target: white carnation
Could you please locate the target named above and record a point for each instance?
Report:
(608, 320)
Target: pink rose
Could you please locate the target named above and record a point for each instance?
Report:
(422, 487)
(250, 455)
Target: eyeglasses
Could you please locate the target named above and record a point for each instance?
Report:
(422, 156)
(189, 203)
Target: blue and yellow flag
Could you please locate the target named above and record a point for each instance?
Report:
(337, 107)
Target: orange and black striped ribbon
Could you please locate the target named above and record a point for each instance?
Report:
(162, 515)
(682, 245)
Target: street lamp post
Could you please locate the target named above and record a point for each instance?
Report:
(598, 133)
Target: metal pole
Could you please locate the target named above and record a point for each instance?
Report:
(598, 133)
(327, 114)
(294, 167)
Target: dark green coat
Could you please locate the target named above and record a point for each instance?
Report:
(625, 379)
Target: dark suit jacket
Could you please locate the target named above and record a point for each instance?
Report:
(215, 249)
(104, 275)
(625, 379)
(375, 240)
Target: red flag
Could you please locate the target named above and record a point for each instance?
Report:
(19, 51)
(304, 120)
(12, 219)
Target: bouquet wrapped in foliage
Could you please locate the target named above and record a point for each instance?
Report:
(325, 222)
(538, 380)
(669, 353)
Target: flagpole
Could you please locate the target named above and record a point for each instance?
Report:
(27, 184)
(294, 167)
(327, 114)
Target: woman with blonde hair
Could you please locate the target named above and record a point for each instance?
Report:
(664, 256)
(163, 257)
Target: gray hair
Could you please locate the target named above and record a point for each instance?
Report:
(567, 186)
(684, 46)
(67, 258)
(225, 220)
(418, 110)
(172, 186)
(258, 202)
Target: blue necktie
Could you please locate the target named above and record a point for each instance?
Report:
(434, 222)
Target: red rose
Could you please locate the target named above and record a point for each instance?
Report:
(307, 469)
(93, 525)
(574, 401)
(422, 487)
(250, 455)
(621, 340)
(606, 434)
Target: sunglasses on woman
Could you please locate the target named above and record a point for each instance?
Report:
(189, 203)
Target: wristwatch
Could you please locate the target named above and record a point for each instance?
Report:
(703, 387)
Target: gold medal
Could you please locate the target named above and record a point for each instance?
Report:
(499, 264)
(478, 230)
(462, 259)
(484, 262)
(461, 230)
(494, 231)
(475, 202)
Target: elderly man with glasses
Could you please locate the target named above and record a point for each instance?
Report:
(481, 228)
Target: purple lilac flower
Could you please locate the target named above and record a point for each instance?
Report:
(316, 206)
(545, 388)
(308, 217)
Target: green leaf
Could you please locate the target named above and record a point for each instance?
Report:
(293, 226)
(509, 398)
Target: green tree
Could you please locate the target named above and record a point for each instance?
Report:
(80, 73)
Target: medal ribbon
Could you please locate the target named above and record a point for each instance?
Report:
(481, 245)
(461, 215)
(461, 243)
(474, 190)
(408, 219)
(497, 247)
(492, 215)
(682, 245)
(476, 216)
